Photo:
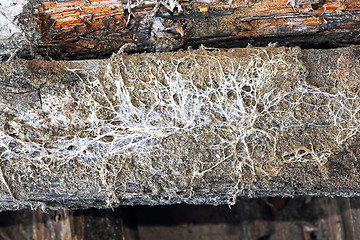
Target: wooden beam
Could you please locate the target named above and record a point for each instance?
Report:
(196, 126)
(97, 28)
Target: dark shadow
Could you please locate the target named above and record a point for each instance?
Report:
(110, 223)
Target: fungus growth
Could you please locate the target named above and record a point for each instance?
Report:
(157, 124)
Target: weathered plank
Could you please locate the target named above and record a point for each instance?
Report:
(200, 126)
(97, 28)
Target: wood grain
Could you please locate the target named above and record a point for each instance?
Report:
(96, 28)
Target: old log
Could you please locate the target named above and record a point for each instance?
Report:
(196, 126)
(96, 28)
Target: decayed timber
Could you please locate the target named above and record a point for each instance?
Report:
(275, 218)
(201, 126)
(97, 28)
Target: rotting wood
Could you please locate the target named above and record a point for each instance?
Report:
(97, 28)
(302, 218)
(196, 126)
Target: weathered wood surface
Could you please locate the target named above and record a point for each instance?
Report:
(303, 218)
(91, 224)
(200, 126)
(97, 28)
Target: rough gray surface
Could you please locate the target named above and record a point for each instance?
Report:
(199, 127)
(18, 30)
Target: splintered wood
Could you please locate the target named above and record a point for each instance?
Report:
(97, 28)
